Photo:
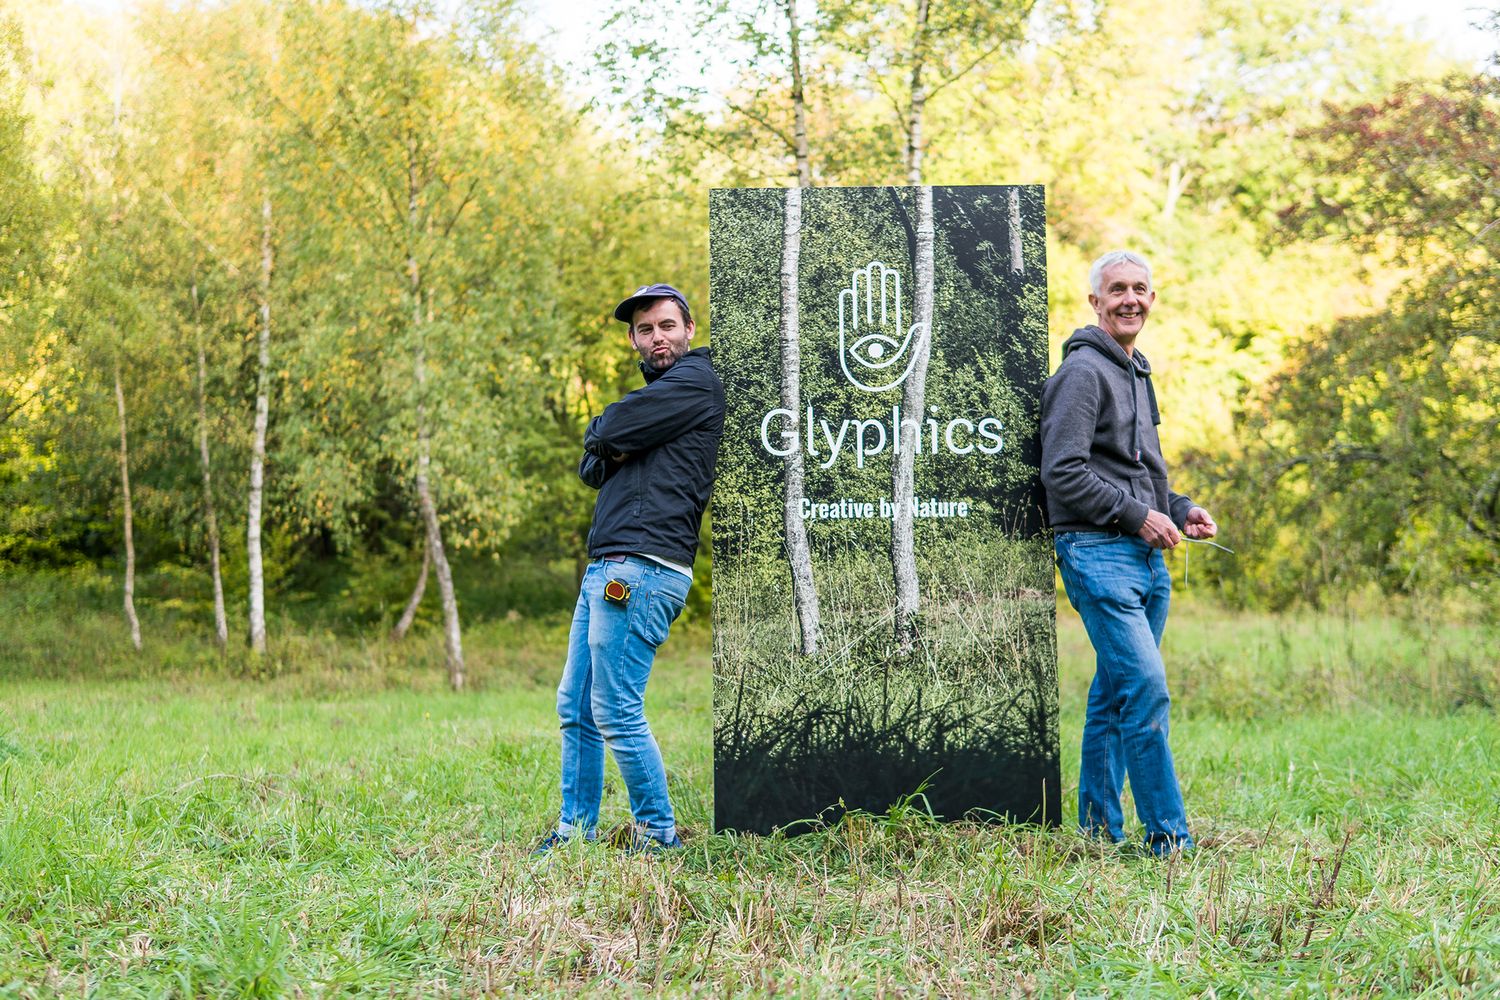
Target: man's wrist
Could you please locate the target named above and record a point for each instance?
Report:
(1132, 517)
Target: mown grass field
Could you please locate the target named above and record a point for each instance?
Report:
(342, 825)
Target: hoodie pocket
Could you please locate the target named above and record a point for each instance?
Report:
(1162, 497)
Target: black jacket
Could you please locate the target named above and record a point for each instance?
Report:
(1101, 458)
(652, 503)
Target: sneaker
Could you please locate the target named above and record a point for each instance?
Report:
(550, 842)
(1169, 847)
(641, 843)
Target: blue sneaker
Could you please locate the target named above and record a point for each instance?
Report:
(641, 843)
(550, 842)
(1168, 847)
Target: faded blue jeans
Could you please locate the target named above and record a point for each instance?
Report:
(601, 700)
(1121, 589)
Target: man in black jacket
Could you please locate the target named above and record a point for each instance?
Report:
(1113, 513)
(651, 456)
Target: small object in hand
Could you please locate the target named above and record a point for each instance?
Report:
(617, 592)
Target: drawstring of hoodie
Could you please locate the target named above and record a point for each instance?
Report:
(1135, 404)
(1135, 414)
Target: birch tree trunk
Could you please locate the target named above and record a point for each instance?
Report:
(914, 142)
(258, 440)
(804, 590)
(1017, 263)
(452, 633)
(452, 636)
(799, 105)
(210, 516)
(135, 623)
(1177, 182)
(913, 406)
(409, 614)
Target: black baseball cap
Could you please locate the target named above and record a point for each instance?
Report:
(625, 311)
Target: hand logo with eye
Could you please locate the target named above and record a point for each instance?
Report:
(876, 361)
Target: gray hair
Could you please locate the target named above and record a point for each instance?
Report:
(1109, 260)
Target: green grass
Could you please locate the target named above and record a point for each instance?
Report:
(344, 825)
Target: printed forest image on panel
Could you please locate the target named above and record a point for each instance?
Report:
(884, 618)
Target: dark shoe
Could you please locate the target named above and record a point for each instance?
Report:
(641, 843)
(1168, 847)
(550, 842)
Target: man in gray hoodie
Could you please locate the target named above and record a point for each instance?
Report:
(1112, 513)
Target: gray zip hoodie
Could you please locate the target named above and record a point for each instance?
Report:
(1101, 458)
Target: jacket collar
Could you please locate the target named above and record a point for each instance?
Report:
(651, 374)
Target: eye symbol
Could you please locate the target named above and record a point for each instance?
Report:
(876, 350)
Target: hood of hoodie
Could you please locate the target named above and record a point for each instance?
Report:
(1095, 337)
(1135, 362)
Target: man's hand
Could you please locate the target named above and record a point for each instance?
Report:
(1200, 525)
(1159, 531)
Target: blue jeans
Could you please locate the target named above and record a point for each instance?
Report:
(601, 699)
(1121, 589)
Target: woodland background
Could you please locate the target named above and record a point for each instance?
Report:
(361, 256)
(318, 292)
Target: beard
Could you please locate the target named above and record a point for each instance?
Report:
(664, 361)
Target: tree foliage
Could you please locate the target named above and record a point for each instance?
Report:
(383, 138)
(1374, 455)
(1289, 187)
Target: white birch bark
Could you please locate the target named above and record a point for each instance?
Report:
(913, 406)
(1177, 183)
(804, 589)
(135, 623)
(452, 632)
(1017, 264)
(258, 440)
(409, 613)
(799, 104)
(915, 149)
(210, 516)
(452, 635)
